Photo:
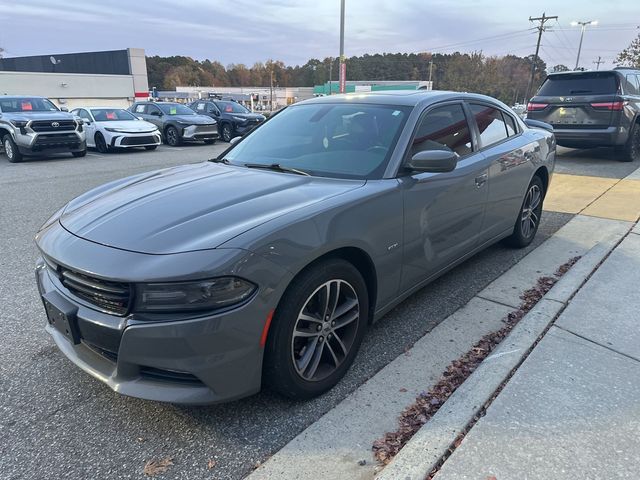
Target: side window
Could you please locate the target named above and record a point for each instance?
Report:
(211, 108)
(150, 109)
(140, 108)
(443, 128)
(631, 85)
(490, 123)
(82, 113)
(512, 128)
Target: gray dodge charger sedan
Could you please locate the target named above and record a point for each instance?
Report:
(200, 283)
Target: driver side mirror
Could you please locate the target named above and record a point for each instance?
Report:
(64, 109)
(433, 161)
(234, 140)
(86, 121)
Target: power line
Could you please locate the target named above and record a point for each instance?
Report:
(543, 19)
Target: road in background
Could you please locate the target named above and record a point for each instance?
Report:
(58, 422)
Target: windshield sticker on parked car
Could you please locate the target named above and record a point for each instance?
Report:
(111, 116)
(26, 106)
(173, 111)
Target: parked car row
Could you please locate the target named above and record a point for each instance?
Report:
(32, 125)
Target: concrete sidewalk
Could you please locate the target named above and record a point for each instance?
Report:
(572, 409)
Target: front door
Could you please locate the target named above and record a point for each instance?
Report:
(443, 212)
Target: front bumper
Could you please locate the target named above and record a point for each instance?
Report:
(200, 132)
(199, 360)
(33, 143)
(130, 140)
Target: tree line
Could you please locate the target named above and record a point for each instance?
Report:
(505, 77)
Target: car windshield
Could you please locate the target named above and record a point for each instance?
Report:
(592, 83)
(232, 107)
(26, 105)
(175, 109)
(332, 140)
(111, 115)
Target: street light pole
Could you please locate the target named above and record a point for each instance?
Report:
(583, 26)
(343, 69)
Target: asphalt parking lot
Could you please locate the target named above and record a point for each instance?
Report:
(57, 422)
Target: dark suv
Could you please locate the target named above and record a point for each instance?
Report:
(592, 109)
(233, 119)
(177, 122)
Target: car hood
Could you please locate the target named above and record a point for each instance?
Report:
(249, 116)
(51, 115)
(192, 119)
(129, 125)
(193, 207)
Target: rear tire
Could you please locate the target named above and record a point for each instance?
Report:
(310, 347)
(529, 215)
(631, 150)
(11, 149)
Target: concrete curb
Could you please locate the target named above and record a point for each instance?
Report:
(431, 443)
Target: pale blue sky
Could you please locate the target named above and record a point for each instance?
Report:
(246, 31)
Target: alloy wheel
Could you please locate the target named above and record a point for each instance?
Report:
(172, 136)
(8, 149)
(635, 144)
(325, 330)
(226, 133)
(531, 211)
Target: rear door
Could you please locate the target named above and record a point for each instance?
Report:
(577, 100)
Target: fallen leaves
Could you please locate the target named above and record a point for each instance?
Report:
(428, 403)
(155, 467)
(211, 463)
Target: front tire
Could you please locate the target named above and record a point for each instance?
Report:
(529, 215)
(11, 149)
(317, 330)
(172, 137)
(101, 143)
(226, 132)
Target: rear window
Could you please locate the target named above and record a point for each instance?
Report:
(582, 84)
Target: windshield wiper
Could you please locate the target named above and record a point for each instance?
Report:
(276, 167)
(220, 160)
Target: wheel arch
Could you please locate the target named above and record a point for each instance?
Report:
(361, 260)
(543, 173)
(4, 131)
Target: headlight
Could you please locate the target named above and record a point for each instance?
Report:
(240, 119)
(211, 294)
(19, 123)
(116, 130)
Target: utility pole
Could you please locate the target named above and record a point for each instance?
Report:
(430, 72)
(271, 90)
(598, 62)
(543, 19)
(330, 74)
(343, 66)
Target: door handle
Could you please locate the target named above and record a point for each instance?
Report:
(481, 180)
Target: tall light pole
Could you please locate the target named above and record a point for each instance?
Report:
(583, 27)
(343, 67)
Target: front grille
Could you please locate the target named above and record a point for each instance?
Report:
(110, 297)
(138, 140)
(169, 375)
(206, 129)
(56, 140)
(48, 125)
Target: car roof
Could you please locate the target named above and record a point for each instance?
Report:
(23, 96)
(100, 108)
(577, 73)
(409, 98)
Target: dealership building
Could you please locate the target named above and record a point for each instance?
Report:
(109, 78)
